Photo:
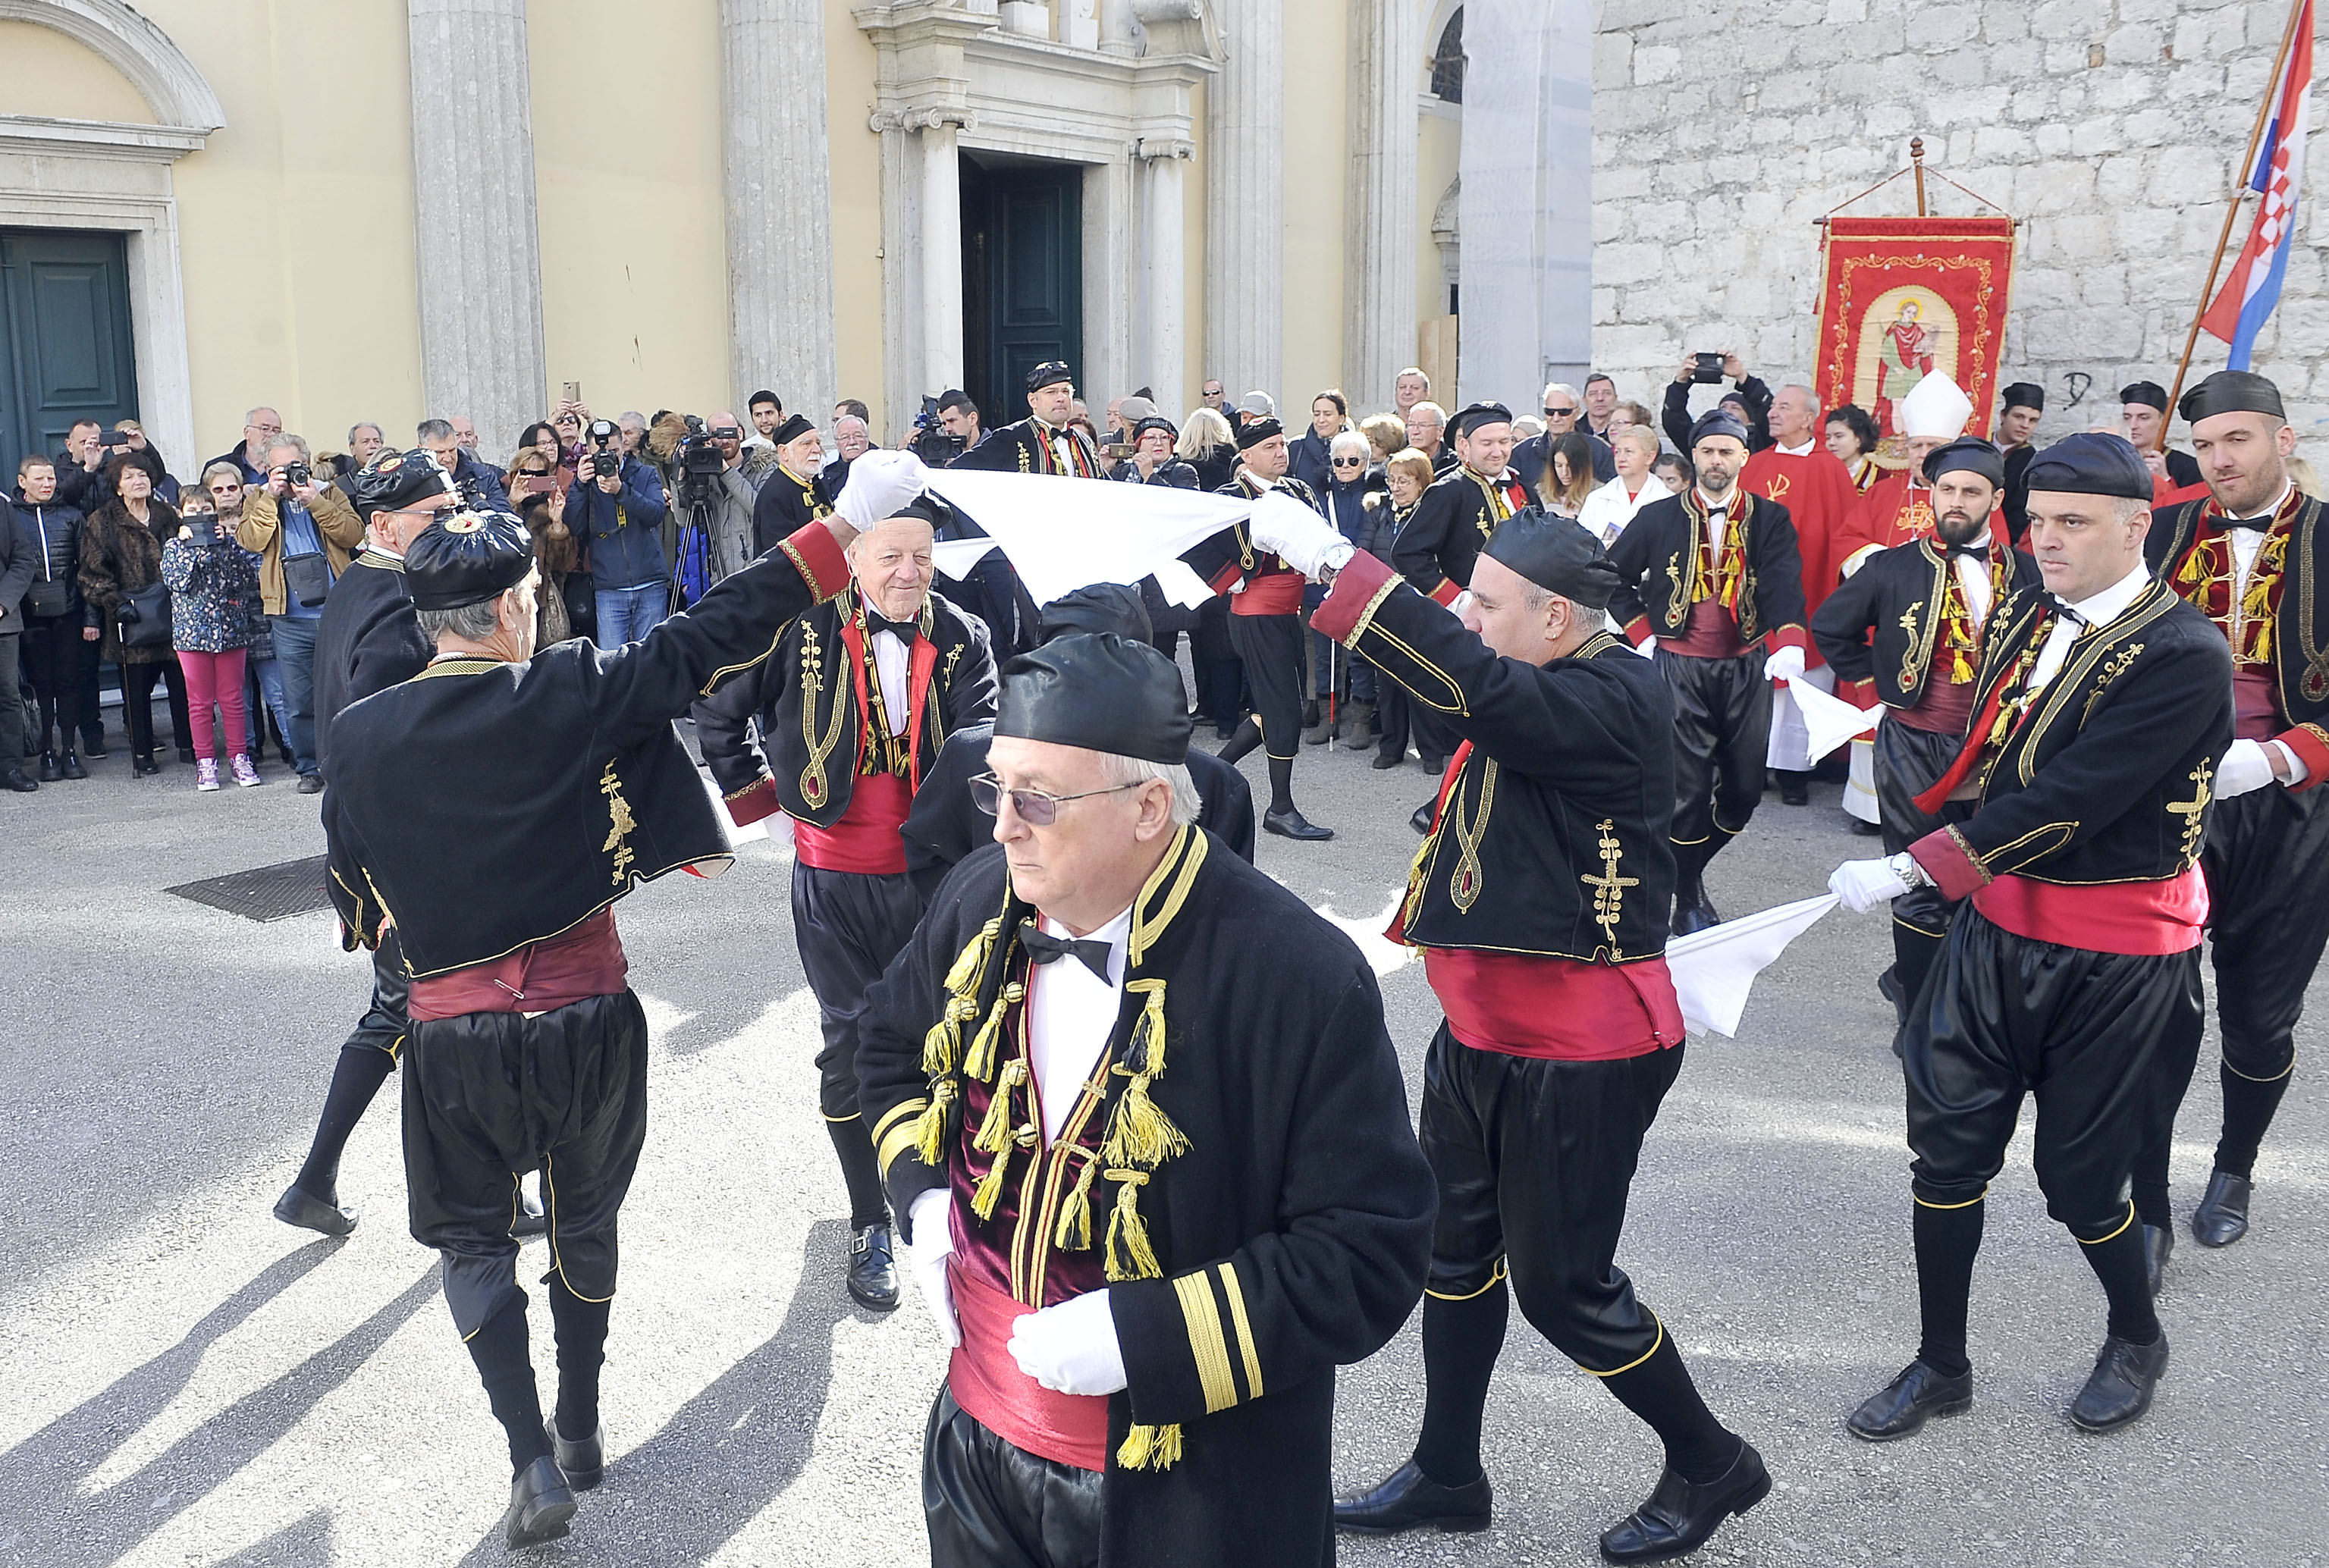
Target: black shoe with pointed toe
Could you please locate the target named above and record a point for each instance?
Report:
(583, 1461)
(302, 1208)
(541, 1503)
(873, 1271)
(2119, 1390)
(2222, 1217)
(1693, 911)
(1905, 1404)
(1412, 1500)
(2158, 1246)
(1681, 1515)
(1290, 823)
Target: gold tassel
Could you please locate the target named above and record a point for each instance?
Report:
(929, 1128)
(1139, 1133)
(1124, 1220)
(938, 1045)
(1074, 1231)
(980, 1063)
(1150, 1448)
(990, 1186)
(994, 1130)
(963, 978)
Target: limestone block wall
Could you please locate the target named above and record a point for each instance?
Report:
(1723, 128)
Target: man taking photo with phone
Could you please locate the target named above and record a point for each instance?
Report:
(305, 535)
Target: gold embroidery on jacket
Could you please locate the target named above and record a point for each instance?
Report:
(1463, 887)
(620, 824)
(2193, 811)
(1609, 888)
(812, 779)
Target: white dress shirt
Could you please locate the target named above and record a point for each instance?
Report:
(2246, 543)
(892, 656)
(1717, 518)
(1070, 1014)
(1973, 579)
(1802, 451)
(2099, 610)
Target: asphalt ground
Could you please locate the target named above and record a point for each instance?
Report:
(189, 1383)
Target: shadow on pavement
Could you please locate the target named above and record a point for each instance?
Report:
(301, 1544)
(727, 1453)
(56, 1523)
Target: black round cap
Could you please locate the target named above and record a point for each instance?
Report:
(1099, 691)
(1114, 608)
(1555, 554)
(467, 558)
(395, 481)
(1971, 453)
(2090, 463)
(2231, 392)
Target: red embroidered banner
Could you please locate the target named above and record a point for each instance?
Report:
(1904, 296)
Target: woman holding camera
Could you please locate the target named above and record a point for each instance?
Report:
(213, 598)
(120, 556)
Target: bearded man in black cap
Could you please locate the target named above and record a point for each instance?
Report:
(2251, 557)
(1137, 1104)
(1714, 577)
(1911, 621)
(1044, 442)
(1540, 903)
(2102, 709)
(851, 709)
(491, 810)
(367, 641)
(793, 495)
(2143, 408)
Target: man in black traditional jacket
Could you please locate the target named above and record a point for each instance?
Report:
(2253, 557)
(946, 823)
(2020, 407)
(1137, 1104)
(793, 495)
(1714, 575)
(1925, 604)
(851, 710)
(1540, 901)
(1042, 443)
(528, 1049)
(2104, 706)
(367, 640)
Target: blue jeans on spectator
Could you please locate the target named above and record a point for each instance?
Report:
(265, 675)
(627, 615)
(295, 663)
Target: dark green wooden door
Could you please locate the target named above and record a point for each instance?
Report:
(1023, 278)
(65, 351)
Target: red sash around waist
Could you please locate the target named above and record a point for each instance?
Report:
(1270, 593)
(2134, 917)
(865, 838)
(1067, 1428)
(1945, 709)
(1711, 632)
(2256, 703)
(1526, 1004)
(538, 978)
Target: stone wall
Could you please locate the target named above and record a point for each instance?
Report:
(1723, 128)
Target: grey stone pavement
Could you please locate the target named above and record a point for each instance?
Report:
(184, 1381)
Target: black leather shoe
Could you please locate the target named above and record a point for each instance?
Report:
(17, 779)
(1681, 1515)
(2158, 1245)
(72, 767)
(1411, 1500)
(2222, 1217)
(50, 771)
(1290, 823)
(583, 1461)
(93, 745)
(143, 766)
(311, 783)
(1693, 910)
(1907, 1402)
(1888, 986)
(1861, 829)
(1421, 821)
(873, 1273)
(1386, 760)
(2119, 1390)
(1434, 765)
(186, 754)
(1794, 788)
(540, 1503)
(302, 1208)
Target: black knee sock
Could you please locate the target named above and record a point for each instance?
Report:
(1913, 952)
(581, 1330)
(2248, 1107)
(1281, 783)
(1248, 737)
(355, 1079)
(2118, 1265)
(867, 1203)
(1699, 1448)
(500, 1351)
(1460, 1342)
(1947, 1241)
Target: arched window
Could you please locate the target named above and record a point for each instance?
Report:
(1447, 61)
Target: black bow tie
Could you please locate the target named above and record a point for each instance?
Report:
(2070, 615)
(2258, 523)
(1041, 949)
(1973, 551)
(906, 631)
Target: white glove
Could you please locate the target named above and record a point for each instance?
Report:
(1862, 884)
(1296, 535)
(1786, 664)
(2247, 766)
(881, 484)
(933, 1243)
(1070, 1348)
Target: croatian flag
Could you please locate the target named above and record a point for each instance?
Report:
(2253, 288)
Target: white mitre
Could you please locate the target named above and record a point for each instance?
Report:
(1935, 406)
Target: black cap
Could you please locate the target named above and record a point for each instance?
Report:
(1099, 691)
(2090, 463)
(1718, 421)
(2150, 392)
(1556, 555)
(930, 507)
(1049, 374)
(2024, 395)
(1156, 422)
(795, 426)
(1971, 453)
(1473, 415)
(2231, 392)
(467, 558)
(1115, 607)
(1255, 431)
(394, 481)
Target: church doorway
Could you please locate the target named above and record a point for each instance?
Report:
(1022, 276)
(65, 351)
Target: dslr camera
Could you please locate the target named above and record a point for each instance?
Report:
(298, 473)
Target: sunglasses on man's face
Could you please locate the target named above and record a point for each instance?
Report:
(1350, 463)
(1561, 413)
(1035, 808)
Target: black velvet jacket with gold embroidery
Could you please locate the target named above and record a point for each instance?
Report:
(1899, 597)
(1554, 838)
(1455, 517)
(1657, 559)
(1025, 446)
(1259, 1206)
(486, 805)
(809, 702)
(2300, 631)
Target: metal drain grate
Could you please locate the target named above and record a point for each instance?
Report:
(267, 893)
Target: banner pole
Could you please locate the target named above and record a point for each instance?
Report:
(2232, 213)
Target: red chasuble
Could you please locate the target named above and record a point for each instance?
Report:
(1892, 514)
(1820, 497)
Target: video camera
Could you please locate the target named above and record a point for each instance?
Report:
(698, 463)
(932, 442)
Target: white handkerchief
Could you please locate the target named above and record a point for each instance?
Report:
(1831, 720)
(1714, 969)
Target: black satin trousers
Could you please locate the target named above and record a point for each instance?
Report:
(849, 924)
(990, 1504)
(384, 1024)
(1723, 732)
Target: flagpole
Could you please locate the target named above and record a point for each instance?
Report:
(2232, 213)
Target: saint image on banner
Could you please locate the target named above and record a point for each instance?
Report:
(1909, 332)
(1900, 297)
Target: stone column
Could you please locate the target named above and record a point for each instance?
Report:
(1378, 256)
(1245, 234)
(776, 175)
(941, 252)
(473, 209)
(1164, 354)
